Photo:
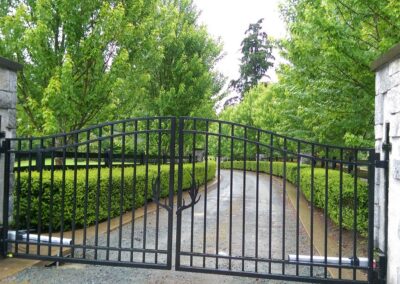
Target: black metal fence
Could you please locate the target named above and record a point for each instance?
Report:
(278, 208)
(298, 211)
(75, 194)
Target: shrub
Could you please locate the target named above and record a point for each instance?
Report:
(319, 190)
(113, 189)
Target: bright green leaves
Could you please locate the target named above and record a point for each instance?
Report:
(91, 61)
(182, 81)
(326, 91)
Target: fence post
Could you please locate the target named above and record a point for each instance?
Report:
(6, 194)
(8, 102)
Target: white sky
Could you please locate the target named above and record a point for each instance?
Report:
(229, 19)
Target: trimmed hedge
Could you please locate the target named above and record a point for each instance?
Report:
(319, 190)
(54, 191)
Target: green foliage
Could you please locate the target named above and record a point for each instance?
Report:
(325, 91)
(97, 189)
(256, 59)
(319, 188)
(91, 61)
(259, 108)
(182, 81)
(328, 84)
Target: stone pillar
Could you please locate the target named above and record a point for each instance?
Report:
(387, 119)
(8, 101)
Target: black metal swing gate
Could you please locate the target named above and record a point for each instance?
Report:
(249, 202)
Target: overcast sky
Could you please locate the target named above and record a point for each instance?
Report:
(229, 19)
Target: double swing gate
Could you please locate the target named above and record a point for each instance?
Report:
(247, 202)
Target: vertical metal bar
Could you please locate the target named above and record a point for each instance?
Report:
(298, 183)
(6, 193)
(231, 198)
(386, 151)
(135, 141)
(355, 210)
(99, 152)
(326, 211)
(179, 199)
(64, 161)
(257, 195)
(340, 211)
(28, 213)
(18, 192)
(146, 189)
(121, 193)
(51, 213)
(171, 191)
(110, 188)
(86, 193)
(218, 192)
(76, 141)
(39, 225)
(158, 175)
(271, 158)
(205, 196)
(194, 184)
(284, 205)
(371, 197)
(313, 162)
(244, 198)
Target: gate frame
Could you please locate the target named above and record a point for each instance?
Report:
(372, 163)
(4, 149)
(5, 242)
(373, 158)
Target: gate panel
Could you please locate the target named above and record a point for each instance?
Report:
(76, 194)
(280, 208)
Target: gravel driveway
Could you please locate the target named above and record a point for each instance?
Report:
(76, 273)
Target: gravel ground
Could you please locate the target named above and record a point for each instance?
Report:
(70, 273)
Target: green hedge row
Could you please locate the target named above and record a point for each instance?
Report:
(117, 191)
(319, 190)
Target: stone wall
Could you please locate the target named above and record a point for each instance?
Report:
(8, 101)
(387, 116)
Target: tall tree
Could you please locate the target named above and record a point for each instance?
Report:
(325, 92)
(73, 59)
(256, 58)
(328, 84)
(183, 81)
(95, 60)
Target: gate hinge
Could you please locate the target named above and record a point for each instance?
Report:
(380, 271)
(2, 148)
(382, 164)
(2, 133)
(387, 147)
